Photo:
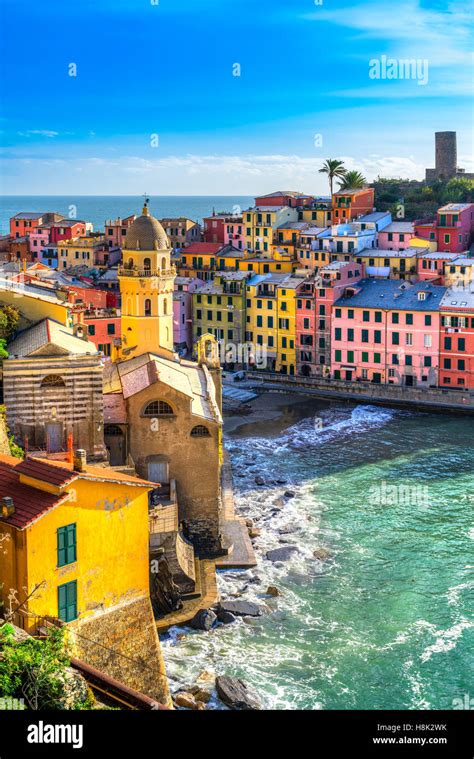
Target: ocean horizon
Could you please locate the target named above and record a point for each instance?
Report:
(99, 208)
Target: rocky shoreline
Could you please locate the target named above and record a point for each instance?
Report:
(211, 691)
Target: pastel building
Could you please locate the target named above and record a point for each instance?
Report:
(431, 266)
(313, 250)
(453, 228)
(234, 234)
(396, 236)
(116, 229)
(460, 272)
(181, 231)
(315, 299)
(387, 331)
(393, 264)
(262, 325)
(261, 222)
(457, 339)
(285, 198)
(183, 312)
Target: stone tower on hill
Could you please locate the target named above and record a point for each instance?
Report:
(446, 159)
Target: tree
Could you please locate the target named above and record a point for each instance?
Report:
(352, 180)
(334, 170)
(9, 318)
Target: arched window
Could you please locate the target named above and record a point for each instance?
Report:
(129, 264)
(53, 380)
(165, 306)
(147, 264)
(200, 431)
(113, 430)
(158, 408)
(163, 264)
(148, 307)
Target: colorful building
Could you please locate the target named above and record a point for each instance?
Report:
(432, 265)
(103, 329)
(395, 264)
(315, 299)
(234, 233)
(181, 231)
(459, 272)
(387, 331)
(348, 205)
(262, 315)
(115, 230)
(66, 229)
(261, 222)
(183, 312)
(203, 259)
(452, 230)
(456, 365)
(81, 251)
(396, 236)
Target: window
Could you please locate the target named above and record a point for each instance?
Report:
(338, 333)
(409, 319)
(147, 307)
(378, 316)
(366, 316)
(66, 544)
(91, 329)
(395, 318)
(447, 343)
(377, 358)
(338, 313)
(338, 355)
(377, 336)
(350, 357)
(350, 313)
(461, 344)
(67, 601)
(53, 380)
(200, 431)
(350, 335)
(408, 360)
(427, 361)
(365, 357)
(427, 341)
(447, 363)
(427, 320)
(111, 329)
(409, 338)
(158, 408)
(365, 336)
(395, 338)
(461, 365)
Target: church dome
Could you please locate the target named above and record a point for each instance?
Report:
(146, 233)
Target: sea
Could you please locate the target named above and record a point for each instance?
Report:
(385, 621)
(97, 209)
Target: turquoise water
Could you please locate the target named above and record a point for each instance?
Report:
(386, 621)
(101, 207)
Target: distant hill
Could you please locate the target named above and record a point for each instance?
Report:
(418, 198)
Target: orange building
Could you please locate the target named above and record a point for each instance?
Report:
(350, 204)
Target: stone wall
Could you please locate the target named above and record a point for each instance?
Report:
(124, 644)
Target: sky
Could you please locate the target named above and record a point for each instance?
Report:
(210, 97)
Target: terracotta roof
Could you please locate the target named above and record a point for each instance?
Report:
(91, 473)
(29, 502)
(204, 247)
(58, 474)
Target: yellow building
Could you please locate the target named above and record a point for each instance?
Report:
(278, 261)
(80, 251)
(146, 280)
(271, 319)
(34, 306)
(395, 264)
(319, 217)
(260, 223)
(75, 539)
(459, 272)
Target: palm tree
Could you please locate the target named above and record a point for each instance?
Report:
(352, 180)
(334, 169)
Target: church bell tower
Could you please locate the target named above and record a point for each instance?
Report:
(146, 279)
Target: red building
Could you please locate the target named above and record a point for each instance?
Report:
(285, 198)
(452, 230)
(115, 231)
(103, 328)
(214, 227)
(350, 204)
(457, 339)
(66, 229)
(25, 223)
(431, 266)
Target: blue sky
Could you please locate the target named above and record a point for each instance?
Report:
(303, 94)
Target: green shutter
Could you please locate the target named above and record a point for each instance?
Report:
(66, 541)
(67, 601)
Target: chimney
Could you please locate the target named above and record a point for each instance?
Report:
(7, 507)
(80, 460)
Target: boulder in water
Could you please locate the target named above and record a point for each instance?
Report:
(203, 620)
(235, 694)
(321, 554)
(241, 608)
(272, 590)
(226, 617)
(284, 553)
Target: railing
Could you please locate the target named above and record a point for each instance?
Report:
(126, 272)
(185, 556)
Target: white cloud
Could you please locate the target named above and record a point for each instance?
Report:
(39, 132)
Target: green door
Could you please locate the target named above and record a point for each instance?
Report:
(67, 601)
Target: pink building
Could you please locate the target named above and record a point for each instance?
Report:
(115, 230)
(431, 266)
(39, 239)
(387, 331)
(396, 236)
(183, 312)
(452, 230)
(234, 233)
(315, 298)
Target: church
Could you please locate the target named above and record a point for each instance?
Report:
(162, 414)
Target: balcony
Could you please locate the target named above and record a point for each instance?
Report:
(134, 272)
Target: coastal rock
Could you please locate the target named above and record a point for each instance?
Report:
(241, 608)
(281, 481)
(206, 677)
(249, 522)
(254, 532)
(322, 554)
(235, 694)
(259, 481)
(289, 494)
(284, 553)
(185, 700)
(226, 617)
(203, 620)
(272, 590)
(289, 528)
(278, 503)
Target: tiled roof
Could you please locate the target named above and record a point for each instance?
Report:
(204, 247)
(103, 473)
(46, 472)
(29, 502)
(49, 332)
(455, 298)
(398, 226)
